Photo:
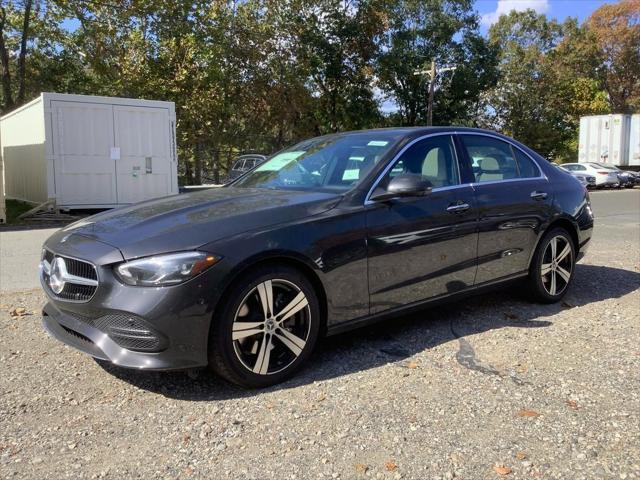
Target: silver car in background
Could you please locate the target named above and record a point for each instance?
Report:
(604, 176)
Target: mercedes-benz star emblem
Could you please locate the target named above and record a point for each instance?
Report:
(56, 281)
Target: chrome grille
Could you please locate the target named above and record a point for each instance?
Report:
(79, 279)
(81, 269)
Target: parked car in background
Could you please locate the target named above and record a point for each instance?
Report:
(626, 178)
(331, 234)
(605, 177)
(589, 181)
(244, 163)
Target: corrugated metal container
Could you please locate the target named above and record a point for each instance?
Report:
(89, 152)
(604, 139)
(634, 140)
(3, 211)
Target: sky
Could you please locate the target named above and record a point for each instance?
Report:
(490, 10)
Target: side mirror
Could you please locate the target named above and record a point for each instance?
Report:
(405, 185)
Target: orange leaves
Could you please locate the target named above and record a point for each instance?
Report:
(501, 469)
(391, 465)
(527, 413)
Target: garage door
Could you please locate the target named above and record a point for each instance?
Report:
(83, 136)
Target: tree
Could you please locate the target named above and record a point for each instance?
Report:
(525, 102)
(419, 31)
(14, 32)
(615, 31)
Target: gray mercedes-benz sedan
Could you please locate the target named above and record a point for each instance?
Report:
(330, 234)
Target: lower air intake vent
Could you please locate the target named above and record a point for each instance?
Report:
(129, 332)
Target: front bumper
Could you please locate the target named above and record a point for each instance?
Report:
(137, 327)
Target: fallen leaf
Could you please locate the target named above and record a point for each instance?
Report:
(510, 316)
(391, 465)
(528, 413)
(186, 438)
(572, 404)
(502, 469)
(521, 455)
(19, 312)
(322, 397)
(566, 305)
(412, 365)
(362, 468)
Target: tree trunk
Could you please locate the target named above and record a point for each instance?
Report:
(198, 163)
(4, 62)
(23, 50)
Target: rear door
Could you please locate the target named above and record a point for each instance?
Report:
(422, 247)
(514, 200)
(85, 172)
(143, 138)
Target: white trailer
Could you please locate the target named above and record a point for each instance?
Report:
(634, 140)
(604, 139)
(3, 211)
(79, 151)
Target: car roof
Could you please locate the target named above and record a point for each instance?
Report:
(421, 130)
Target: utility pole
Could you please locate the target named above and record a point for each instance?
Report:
(432, 72)
(432, 87)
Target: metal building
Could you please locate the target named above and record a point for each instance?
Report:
(78, 151)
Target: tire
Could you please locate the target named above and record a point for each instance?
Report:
(253, 349)
(548, 280)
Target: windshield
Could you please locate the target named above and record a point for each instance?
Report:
(335, 162)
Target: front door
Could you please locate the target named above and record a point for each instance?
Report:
(514, 201)
(422, 247)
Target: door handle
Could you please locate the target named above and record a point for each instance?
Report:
(538, 195)
(458, 207)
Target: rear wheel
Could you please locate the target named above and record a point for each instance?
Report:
(552, 266)
(267, 328)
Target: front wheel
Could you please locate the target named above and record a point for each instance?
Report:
(266, 329)
(552, 266)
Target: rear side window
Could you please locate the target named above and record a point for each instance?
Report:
(526, 167)
(433, 158)
(494, 160)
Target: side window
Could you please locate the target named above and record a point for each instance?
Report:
(239, 165)
(527, 168)
(492, 159)
(434, 158)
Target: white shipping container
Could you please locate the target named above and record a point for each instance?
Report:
(89, 152)
(604, 139)
(3, 211)
(634, 140)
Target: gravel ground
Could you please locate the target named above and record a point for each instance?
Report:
(493, 387)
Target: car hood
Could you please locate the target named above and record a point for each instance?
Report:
(188, 221)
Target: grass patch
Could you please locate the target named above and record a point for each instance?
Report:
(15, 208)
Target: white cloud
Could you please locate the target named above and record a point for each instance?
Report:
(505, 6)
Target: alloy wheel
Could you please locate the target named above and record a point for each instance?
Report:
(557, 265)
(271, 326)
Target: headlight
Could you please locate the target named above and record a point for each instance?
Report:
(165, 270)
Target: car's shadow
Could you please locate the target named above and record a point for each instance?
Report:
(397, 339)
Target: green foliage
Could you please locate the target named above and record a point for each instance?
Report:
(257, 75)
